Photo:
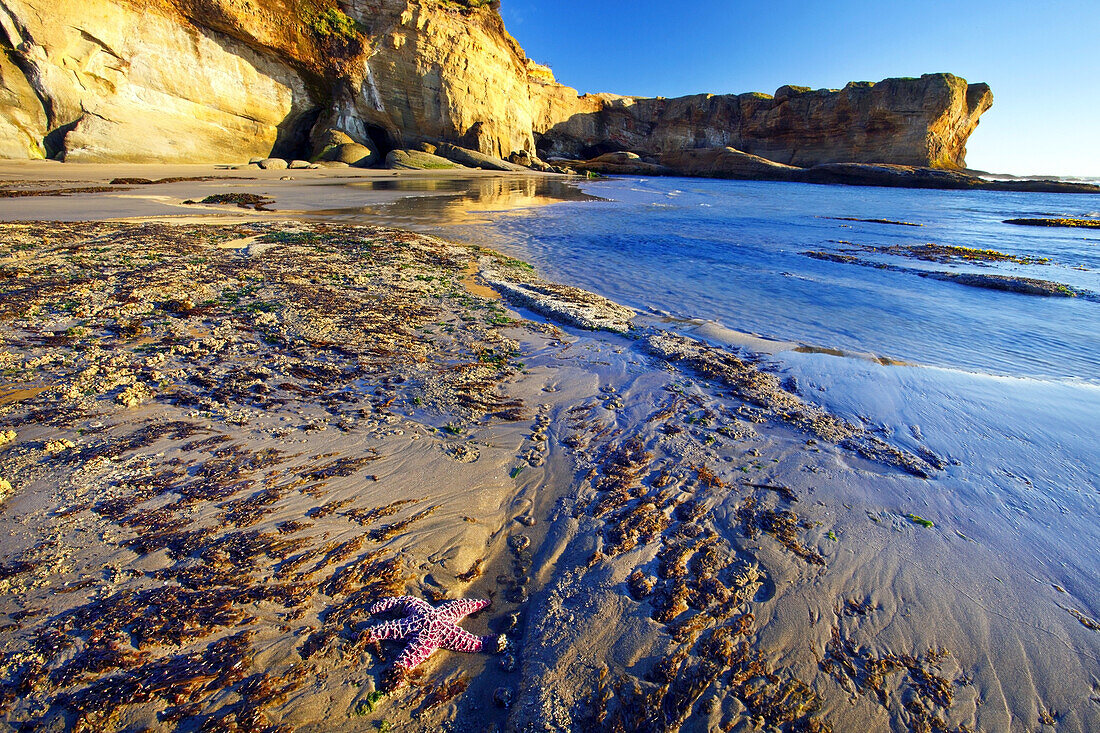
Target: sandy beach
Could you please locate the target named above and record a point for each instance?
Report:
(231, 431)
(328, 194)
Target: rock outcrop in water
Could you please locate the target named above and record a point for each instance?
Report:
(217, 80)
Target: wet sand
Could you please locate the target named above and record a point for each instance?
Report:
(412, 199)
(250, 431)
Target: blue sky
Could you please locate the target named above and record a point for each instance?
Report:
(1040, 57)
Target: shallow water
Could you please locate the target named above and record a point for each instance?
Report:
(429, 203)
(724, 259)
(731, 251)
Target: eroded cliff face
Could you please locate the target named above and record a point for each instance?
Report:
(23, 122)
(118, 83)
(923, 121)
(440, 74)
(224, 80)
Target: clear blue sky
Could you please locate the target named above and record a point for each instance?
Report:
(1040, 57)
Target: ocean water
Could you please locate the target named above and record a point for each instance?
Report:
(1009, 382)
(731, 252)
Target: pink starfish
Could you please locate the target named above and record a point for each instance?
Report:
(428, 628)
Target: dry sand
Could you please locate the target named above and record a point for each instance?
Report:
(230, 439)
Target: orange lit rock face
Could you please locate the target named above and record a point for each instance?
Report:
(922, 121)
(223, 80)
(120, 84)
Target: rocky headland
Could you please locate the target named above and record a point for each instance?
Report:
(735, 164)
(201, 81)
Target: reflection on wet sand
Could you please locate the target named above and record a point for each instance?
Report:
(450, 201)
(472, 286)
(10, 395)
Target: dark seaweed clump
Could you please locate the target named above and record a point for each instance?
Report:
(9, 192)
(1056, 222)
(929, 694)
(150, 182)
(876, 221)
(938, 253)
(243, 200)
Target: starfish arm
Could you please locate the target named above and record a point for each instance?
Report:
(460, 640)
(494, 643)
(399, 629)
(420, 649)
(455, 610)
(410, 603)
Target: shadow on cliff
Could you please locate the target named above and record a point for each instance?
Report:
(292, 142)
(298, 132)
(561, 140)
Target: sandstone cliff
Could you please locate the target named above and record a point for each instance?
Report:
(118, 83)
(224, 80)
(23, 122)
(923, 122)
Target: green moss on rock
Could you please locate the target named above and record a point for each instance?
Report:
(468, 5)
(333, 23)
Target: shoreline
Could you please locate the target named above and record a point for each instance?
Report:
(349, 194)
(298, 196)
(609, 509)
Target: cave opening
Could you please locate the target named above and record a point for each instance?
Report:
(600, 148)
(292, 142)
(382, 140)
